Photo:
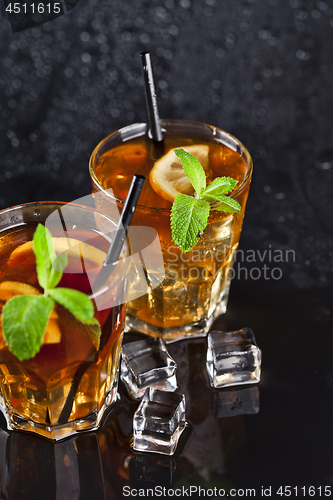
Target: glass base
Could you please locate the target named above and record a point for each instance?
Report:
(58, 432)
(196, 329)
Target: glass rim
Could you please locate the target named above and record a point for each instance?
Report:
(50, 203)
(16, 223)
(165, 122)
(31, 203)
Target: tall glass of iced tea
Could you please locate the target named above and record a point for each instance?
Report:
(196, 285)
(67, 386)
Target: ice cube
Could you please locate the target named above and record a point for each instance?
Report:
(235, 402)
(159, 421)
(147, 363)
(233, 358)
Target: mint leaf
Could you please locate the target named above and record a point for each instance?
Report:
(24, 321)
(58, 264)
(227, 205)
(93, 330)
(49, 266)
(219, 186)
(50, 246)
(56, 270)
(189, 217)
(76, 302)
(193, 170)
(41, 251)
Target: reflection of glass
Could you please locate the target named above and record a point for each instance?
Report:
(115, 439)
(196, 284)
(38, 469)
(159, 469)
(70, 382)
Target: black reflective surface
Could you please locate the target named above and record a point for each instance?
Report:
(272, 434)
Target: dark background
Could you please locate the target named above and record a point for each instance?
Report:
(263, 71)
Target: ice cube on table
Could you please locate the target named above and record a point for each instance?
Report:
(159, 421)
(233, 358)
(147, 363)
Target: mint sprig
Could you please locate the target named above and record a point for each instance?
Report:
(189, 214)
(25, 317)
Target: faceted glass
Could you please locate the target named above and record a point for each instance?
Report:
(67, 386)
(196, 284)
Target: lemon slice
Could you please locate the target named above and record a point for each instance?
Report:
(23, 253)
(52, 334)
(80, 251)
(168, 177)
(9, 289)
(76, 249)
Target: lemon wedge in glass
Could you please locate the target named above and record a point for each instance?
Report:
(168, 177)
(76, 250)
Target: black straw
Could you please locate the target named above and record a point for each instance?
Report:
(155, 129)
(125, 220)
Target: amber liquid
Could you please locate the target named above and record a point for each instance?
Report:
(195, 282)
(37, 389)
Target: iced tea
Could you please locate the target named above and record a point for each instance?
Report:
(69, 383)
(196, 284)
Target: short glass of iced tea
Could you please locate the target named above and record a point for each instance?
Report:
(196, 285)
(67, 386)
